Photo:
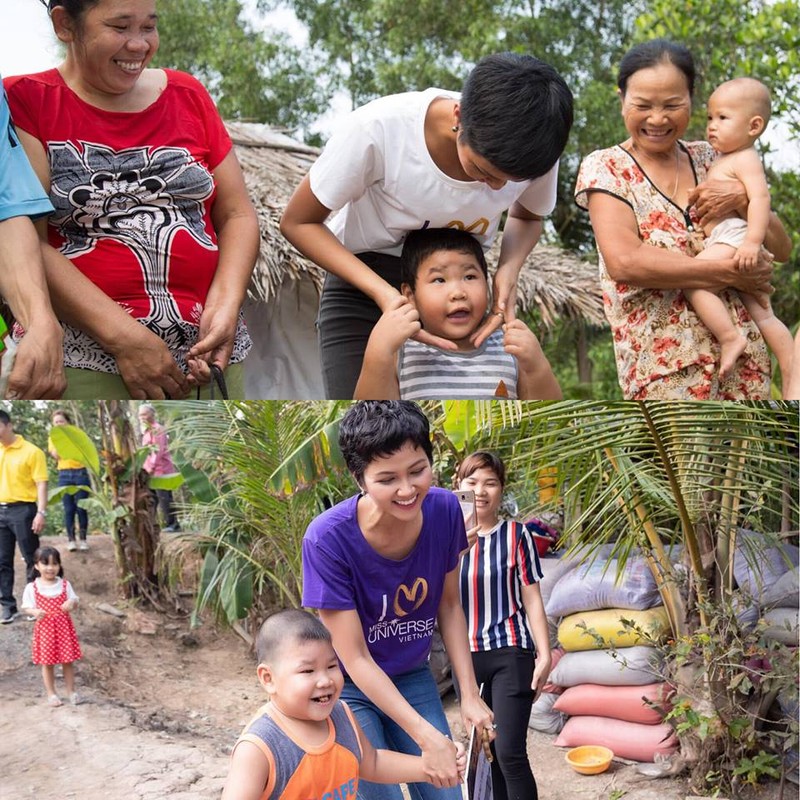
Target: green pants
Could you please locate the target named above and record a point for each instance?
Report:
(86, 384)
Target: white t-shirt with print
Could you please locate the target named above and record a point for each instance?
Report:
(377, 174)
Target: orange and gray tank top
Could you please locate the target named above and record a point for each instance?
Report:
(300, 772)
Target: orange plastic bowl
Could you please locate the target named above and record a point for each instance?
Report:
(590, 759)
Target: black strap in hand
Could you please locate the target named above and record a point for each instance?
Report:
(218, 379)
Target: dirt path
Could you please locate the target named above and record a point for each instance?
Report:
(161, 709)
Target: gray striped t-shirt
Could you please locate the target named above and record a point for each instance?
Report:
(428, 373)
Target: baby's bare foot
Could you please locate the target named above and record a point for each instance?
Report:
(729, 355)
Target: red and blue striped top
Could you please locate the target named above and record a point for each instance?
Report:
(493, 572)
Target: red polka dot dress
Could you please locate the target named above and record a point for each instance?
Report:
(54, 637)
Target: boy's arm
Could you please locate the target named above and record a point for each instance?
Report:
(378, 378)
(348, 641)
(535, 380)
(248, 773)
(750, 171)
(389, 766)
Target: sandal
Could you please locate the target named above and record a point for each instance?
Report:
(54, 700)
(75, 699)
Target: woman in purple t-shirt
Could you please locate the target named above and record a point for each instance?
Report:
(382, 568)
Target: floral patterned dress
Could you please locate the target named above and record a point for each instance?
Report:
(662, 349)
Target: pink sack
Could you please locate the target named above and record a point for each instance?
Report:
(616, 702)
(627, 739)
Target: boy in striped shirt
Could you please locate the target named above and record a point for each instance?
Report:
(446, 291)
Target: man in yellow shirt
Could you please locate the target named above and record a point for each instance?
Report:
(23, 507)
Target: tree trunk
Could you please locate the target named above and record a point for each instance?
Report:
(136, 533)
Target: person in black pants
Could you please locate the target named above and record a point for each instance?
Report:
(159, 462)
(23, 508)
(506, 622)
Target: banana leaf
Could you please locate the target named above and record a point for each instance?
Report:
(73, 443)
(169, 482)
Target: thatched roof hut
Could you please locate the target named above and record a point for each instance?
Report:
(554, 281)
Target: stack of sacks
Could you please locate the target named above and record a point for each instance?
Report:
(609, 672)
(553, 570)
(767, 575)
(780, 607)
(543, 718)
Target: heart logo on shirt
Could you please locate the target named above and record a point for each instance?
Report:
(415, 596)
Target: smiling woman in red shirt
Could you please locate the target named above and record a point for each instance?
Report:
(150, 206)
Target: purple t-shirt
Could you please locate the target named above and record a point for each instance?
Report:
(396, 600)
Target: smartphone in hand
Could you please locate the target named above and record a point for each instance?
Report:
(466, 499)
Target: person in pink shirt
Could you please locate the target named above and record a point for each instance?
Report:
(158, 462)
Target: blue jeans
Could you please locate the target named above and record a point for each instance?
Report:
(419, 688)
(74, 477)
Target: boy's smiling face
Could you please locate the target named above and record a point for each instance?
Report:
(304, 680)
(451, 295)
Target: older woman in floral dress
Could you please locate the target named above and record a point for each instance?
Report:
(639, 195)
(150, 207)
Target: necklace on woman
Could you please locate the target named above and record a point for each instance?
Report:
(671, 195)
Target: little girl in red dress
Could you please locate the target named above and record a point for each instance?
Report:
(49, 598)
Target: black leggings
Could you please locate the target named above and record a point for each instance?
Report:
(346, 319)
(506, 675)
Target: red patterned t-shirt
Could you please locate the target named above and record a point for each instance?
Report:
(133, 194)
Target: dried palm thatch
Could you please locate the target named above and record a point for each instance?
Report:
(555, 282)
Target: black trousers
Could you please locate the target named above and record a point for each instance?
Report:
(15, 529)
(168, 514)
(346, 319)
(506, 675)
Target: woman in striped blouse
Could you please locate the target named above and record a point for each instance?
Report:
(506, 623)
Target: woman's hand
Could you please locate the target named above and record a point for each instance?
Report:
(215, 342)
(717, 198)
(147, 367)
(439, 760)
(475, 713)
(504, 292)
(541, 672)
(472, 536)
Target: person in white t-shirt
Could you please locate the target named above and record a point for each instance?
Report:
(435, 159)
